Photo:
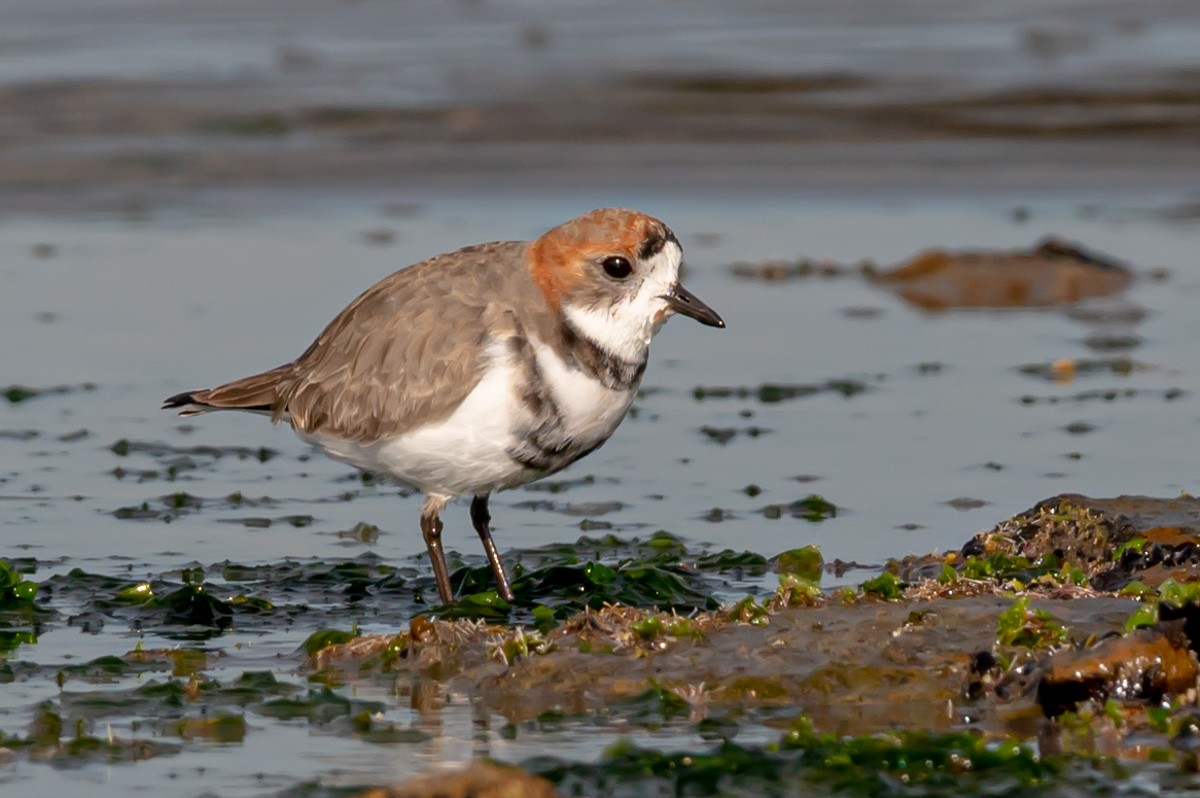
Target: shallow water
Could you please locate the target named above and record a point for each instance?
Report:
(158, 306)
(147, 307)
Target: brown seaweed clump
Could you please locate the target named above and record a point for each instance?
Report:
(477, 780)
(1052, 274)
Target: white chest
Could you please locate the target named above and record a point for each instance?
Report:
(589, 410)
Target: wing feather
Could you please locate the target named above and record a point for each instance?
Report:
(405, 352)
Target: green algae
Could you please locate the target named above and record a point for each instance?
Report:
(318, 707)
(140, 593)
(17, 394)
(198, 707)
(1135, 546)
(551, 584)
(796, 591)
(21, 618)
(11, 639)
(1145, 615)
(652, 627)
(125, 448)
(749, 611)
(1028, 627)
(659, 546)
(1018, 571)
(813, 508)
(774, 392)
(1175, 594)
(805, 762)
(192, 709)
(185, 661)
(1171, 599)
(164, 508)
(653, 706)
(47, 741)
(724, 435)
(193, 605)
(222, 728)
(726, 560)
(326, 637)
(107, 669)
(361, 532)
(885, 586)
(555, 582)
(151, 699)
(16, 592)
(567, 589)
(805, 562)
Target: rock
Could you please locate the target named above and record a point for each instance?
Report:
(1052, 274)
(1144, 665)
(1158, 538)
(477, 780)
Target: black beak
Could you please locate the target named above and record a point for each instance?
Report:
(684, 301)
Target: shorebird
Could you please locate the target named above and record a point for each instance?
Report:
(481, 369)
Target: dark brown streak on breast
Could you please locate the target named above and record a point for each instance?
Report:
(531, 449)
(542, 444)
(587, 356)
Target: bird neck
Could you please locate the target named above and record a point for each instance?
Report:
(619, 368)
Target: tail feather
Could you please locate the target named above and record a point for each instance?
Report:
(257, 394)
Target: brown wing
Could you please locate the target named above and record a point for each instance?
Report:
(406, 351)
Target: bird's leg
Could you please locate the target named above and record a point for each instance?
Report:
(482, 519)
(431, 530)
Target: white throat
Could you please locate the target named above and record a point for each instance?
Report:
(624, 329)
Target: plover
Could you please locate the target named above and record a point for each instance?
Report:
(481, 369)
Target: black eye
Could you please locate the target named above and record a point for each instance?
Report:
(617, 267)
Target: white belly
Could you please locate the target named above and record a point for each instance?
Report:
(469, 452)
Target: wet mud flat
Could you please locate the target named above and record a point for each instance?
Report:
(1009, 667)
(1055, 649)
